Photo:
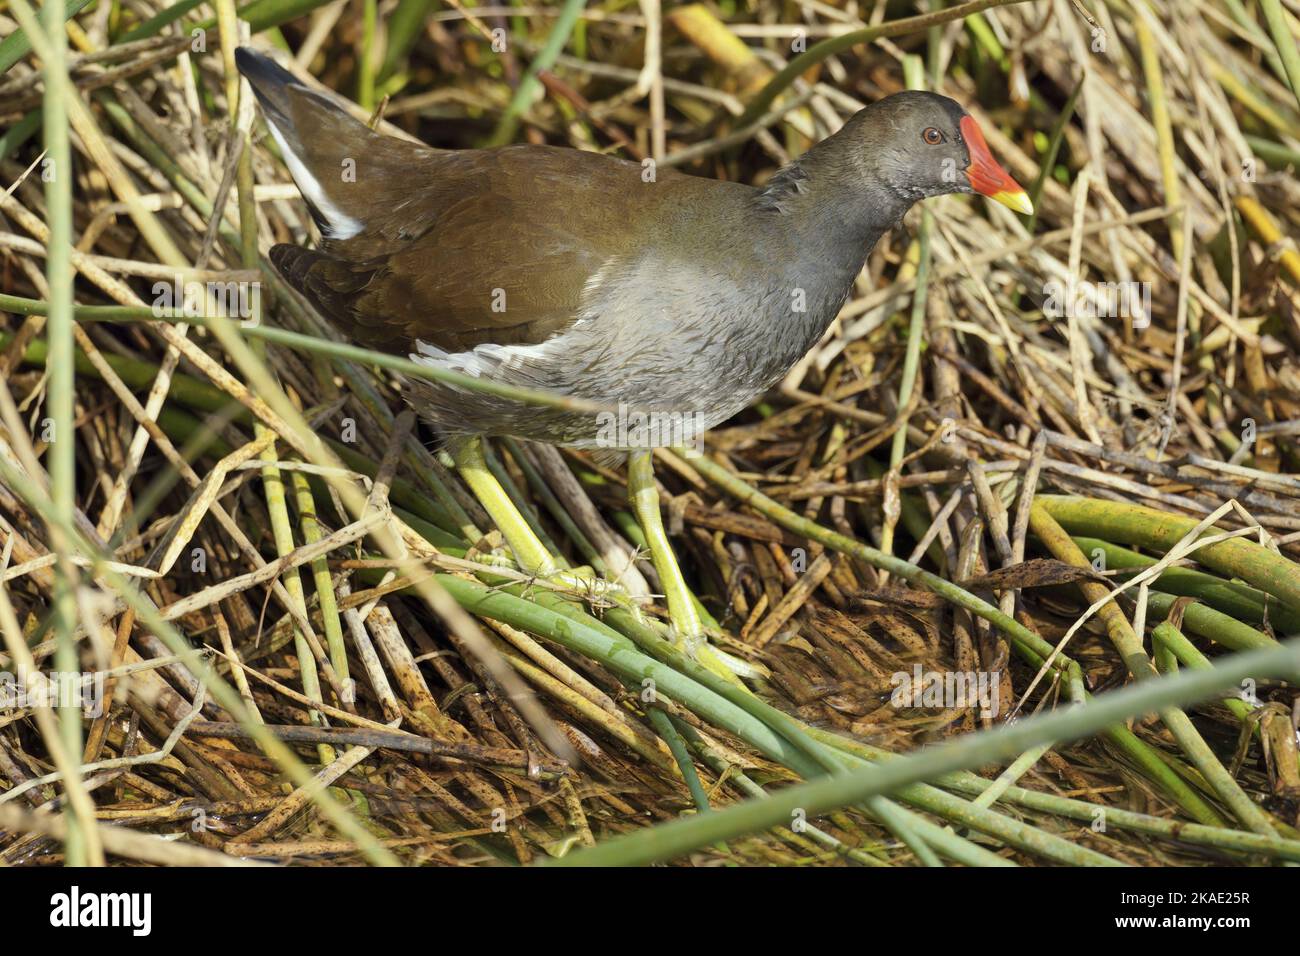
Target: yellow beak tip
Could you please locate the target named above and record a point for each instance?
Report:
(1019, 201)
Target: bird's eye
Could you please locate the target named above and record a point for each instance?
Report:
(932, 136)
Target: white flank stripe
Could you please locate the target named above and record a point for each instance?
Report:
(341, 225)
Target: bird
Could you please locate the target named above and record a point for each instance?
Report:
(675, 299)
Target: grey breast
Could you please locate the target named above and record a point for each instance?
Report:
(673, 344)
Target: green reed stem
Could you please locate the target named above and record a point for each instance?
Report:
(670, 840)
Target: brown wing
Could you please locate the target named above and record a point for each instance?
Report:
(458, 248)
(490, 246)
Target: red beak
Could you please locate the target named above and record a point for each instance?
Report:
(986, 176)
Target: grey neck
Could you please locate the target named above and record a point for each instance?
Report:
(823, 222)
(835, 210)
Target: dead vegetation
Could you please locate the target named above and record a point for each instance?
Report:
(1031, 409)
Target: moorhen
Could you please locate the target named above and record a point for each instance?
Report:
(675, 298)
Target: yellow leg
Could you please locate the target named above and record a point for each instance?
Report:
(644, 498)
(533, 557)
(530, 554)
(687, 626)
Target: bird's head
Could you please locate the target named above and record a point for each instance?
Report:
(924, 144)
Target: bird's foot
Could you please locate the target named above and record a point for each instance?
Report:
(694, 644)
(587, 584)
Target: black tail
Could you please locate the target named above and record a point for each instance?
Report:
(270, 82)
(316, 136)
(344, 170)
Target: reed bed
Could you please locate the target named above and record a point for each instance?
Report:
(1058, 456)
